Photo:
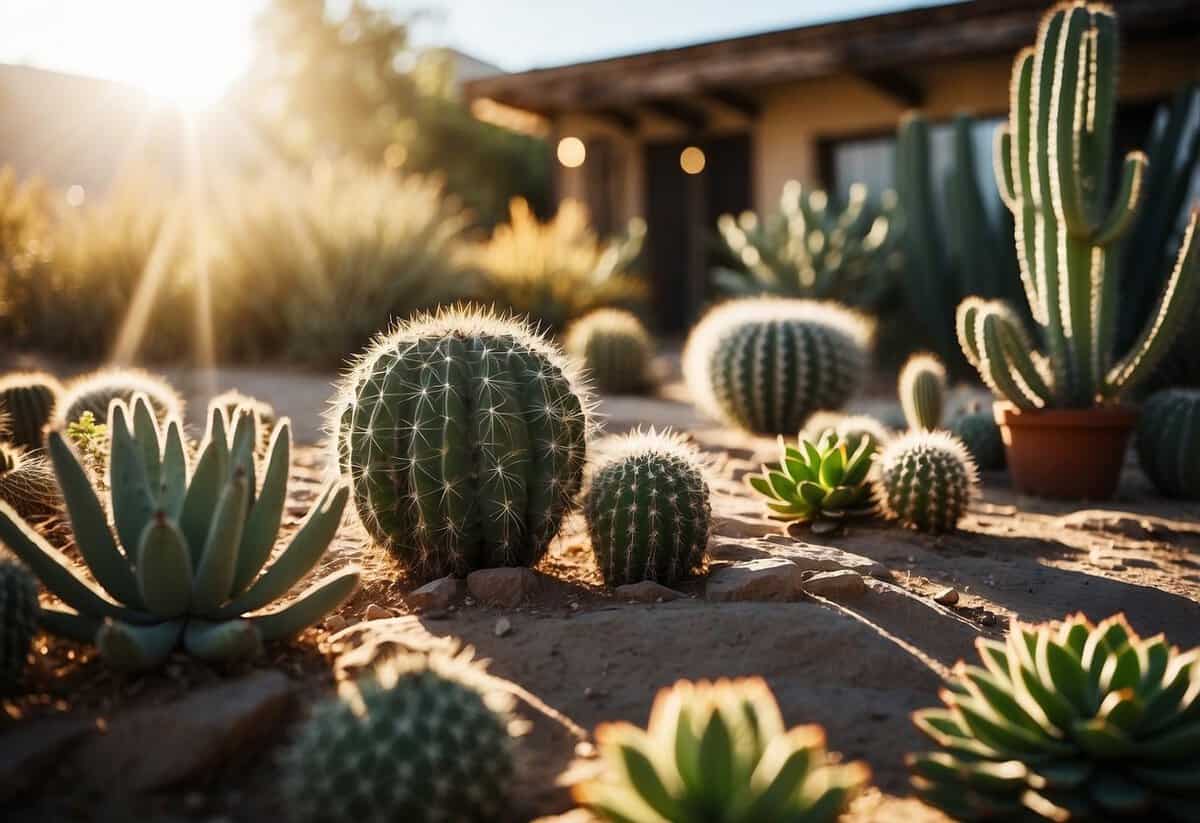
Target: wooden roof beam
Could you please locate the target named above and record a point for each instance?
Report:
(896, 86)
(691, 117)
(737, 101)
(626, 121)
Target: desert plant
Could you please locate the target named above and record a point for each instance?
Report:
(718, 752)
(27, 482)
(809, 249)
(232, 401)
(767, 364)
(416, 738)
(648, 510)
(614, 347)
(18, 621)
(1078, 722)
(817, 481)
(922, 389)
(1168, 441)
(28, 400)
(1052, 167)
(978, 431)
(464, 436)
(95, 391)
(90, 441)
(847, 428)
(184, 565)
(926, 480)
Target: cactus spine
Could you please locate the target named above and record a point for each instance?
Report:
(614, 347)
(464, 436)
(1052, 166)
(922, 389)
(18, 621)
(926, 480)
(28, 400)
(1168, 442)
(648, 509)
(95, 391)
(27, 483)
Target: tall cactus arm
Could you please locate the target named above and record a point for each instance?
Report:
(1007, 359)
(1096, 148)
(964, 327)
(1124, 210)
(1013, 167)
(1002, 149)
(1067, 121)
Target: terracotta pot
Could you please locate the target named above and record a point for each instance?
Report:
(1068, 453)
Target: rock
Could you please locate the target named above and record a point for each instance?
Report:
(155, 747)
(335, 623)
(503, 627)
(947, 596)
(840, 585)
(768, 578)
(29, 751)
(826, 526)
(377, 612)
(502, 587)
(809, 557)
(436, 595)
(646, 591)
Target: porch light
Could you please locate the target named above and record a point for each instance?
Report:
(691, 160)
(571, 152)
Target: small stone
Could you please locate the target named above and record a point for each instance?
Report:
(767, 578)
(438, 594)
(839, 585)
(335, 623)
(503, 587)
(947, 596)
(647, 591)
(503, 627)
(377, 612)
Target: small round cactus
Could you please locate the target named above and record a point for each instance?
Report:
(767, 364)
(27, 482)
(927, 479)
(18, 621)
(1168, 442)
(848, 428)
(614, 347)
(464, 436)
(28, 400)
(94, 392)
(979, 433)
(922, 388)
(418, 738)
(648, 509)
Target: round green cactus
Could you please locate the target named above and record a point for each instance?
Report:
(28, 399)
(1168, 442)
(18, 621)
(648, 509)
(464, 436)
(614, 347)
(27, 482)
(767, 364)
(927, 479)
(981, 435)
(922, 388)
(94, 392)
(419, 738)
(848, 428)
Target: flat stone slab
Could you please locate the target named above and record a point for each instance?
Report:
(647, 591)
(768, 578)
(839, 585)
(809, 557)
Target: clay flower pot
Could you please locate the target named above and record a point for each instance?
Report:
(1067, 453)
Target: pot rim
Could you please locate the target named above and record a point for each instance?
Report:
(1121, 416)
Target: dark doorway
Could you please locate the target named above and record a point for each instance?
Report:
(681, 216)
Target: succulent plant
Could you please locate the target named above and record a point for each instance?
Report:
(926, 480)
(183, 568)
(1052, 169)
(233, 400)
(718, 751)
(417, 738)
(28, 399)
(848, 428)
(18, 621)
(1168, 440)
(464, 436)
(614, 347)
(767, 364)
(1078, 722)
(95, 391)
(648, 509)
(979, 432)
(27, 482)
(922, 389)
(817, 481)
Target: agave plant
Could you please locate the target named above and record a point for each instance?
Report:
(1081, 722)
(817, 481)
(185, 566)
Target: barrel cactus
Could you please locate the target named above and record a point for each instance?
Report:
(183, 567)
(464, 436)
(418, 738)
(817, 481)
(926, 480)
(27, 482)
(848, 428)
(1078, 722)
(767, 364)
(28, 400)
(979, 432)
(614, 347)
(18, 621)
(718, 751)
(1168, 442)
(922, 388)
(95, 391)
(648, 509)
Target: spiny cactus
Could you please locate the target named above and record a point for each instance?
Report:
(848, 428)
(817, 481)
(922, 388)
(18, 621)
(1168, 442)
(464, 436)
(1052, 166)
(718, 751)
(767, 364)
(27, 482)
(1078, 722)
(648, 509)
(418, 738)
(979, 432)
(926, 480)
(95, 391)
(28, 399)
(614, 347)
(183, 567)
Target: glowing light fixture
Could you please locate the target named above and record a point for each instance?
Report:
(571, 152)
(691, 160)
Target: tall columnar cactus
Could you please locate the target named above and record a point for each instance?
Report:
(614, 347)
(27, 482)
(28, 399)
(926, 480)
(1052, 165)
(979, 433)
(767, 364)
(183, 564)
(18, 621)
(922, 388)
(95, 391)
(420, 739)
(1168, 442)
(464, 436)
(648, 509)
(1075, 722)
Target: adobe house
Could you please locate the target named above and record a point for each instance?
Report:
(682, 135)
